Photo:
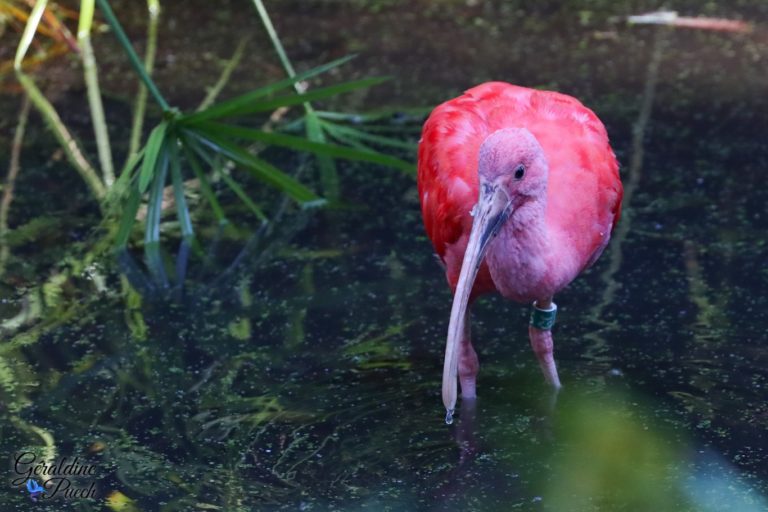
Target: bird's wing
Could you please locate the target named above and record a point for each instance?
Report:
(584, 174)
(448, 182)
(447, 171)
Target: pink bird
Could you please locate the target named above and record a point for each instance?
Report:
(519, 191)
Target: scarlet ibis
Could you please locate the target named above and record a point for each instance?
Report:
(519, 192)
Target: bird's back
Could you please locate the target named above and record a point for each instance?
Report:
(584, 191)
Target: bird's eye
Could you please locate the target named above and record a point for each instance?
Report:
(519, 172)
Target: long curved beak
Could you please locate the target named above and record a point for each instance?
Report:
(492, 210)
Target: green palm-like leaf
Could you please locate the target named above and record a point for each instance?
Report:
(329, 176)
(192, 148)
(155, 204)
(182, 211)
(258, 167)
(151, 152)
(234, 106)
(245, 105)
(128, 218)
(302, 144)
(379, 115)
(205, 185)
(120, 186)
(345, 131)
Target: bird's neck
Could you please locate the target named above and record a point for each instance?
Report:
(520, 258)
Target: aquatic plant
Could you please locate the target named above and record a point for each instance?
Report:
(206, 144)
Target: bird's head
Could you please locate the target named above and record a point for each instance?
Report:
(512, 172)
(512, 160)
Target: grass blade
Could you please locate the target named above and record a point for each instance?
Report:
(155, 204)
(182, 211)
(137, 65)
(329, 177)
(388, 128)
(243, 107)
(343, 139)
(226, 73)
(128, 218)
(272, 33)
(231, 183)
(67, 142)
(127, 176)
(258, 167)
(302, 144)
(96, 106)
(154, 260)
(398, 115)
(238, 190)
(140, 103)
(205, 185)
(151, 152)
(361, 135)
(233, 106)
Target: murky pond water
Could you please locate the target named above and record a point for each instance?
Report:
(301, 370)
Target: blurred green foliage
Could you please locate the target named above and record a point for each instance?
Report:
(614, 455)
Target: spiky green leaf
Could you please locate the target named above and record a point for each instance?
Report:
(205, 185)
(243, 107)
(151, 152)
(258, 167)
(302, 144)
(182, 211)
(128, 218)
(329, 176)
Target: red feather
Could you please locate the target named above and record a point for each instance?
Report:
(584, 191)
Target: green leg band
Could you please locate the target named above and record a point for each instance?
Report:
(543, 319)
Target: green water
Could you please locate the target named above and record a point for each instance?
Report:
(300, 370)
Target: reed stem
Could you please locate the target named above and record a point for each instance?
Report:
(109, 15)
(66, 140)
(139, 111)
(328, 175)
(226, 73)
(289, 70)
(94, 92)
(10, 181)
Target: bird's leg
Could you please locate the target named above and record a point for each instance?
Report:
(468, 362)
(540, 332)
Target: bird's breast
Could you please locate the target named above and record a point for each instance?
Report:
(527, 263)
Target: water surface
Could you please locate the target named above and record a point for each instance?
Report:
(307, 375)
